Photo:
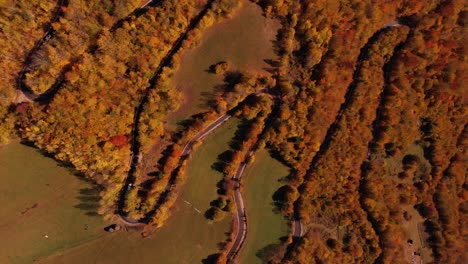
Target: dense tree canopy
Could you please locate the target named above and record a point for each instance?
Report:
(366, 104)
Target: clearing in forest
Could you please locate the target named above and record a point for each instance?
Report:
(265, 225)
(245, 41)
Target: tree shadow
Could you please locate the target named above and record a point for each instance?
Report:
(240, 135)
(206, 99)
(222, 160)
(43, 152)
(229, 82)
(211, 259)
(154, 174)
(273, 66)
(282, 197)
(235, 144)
(212, 68)
(88, 197)
(231, 78)
(88, 201)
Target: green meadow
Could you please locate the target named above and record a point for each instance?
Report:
(265, 226)
(187, 236)
(45, 207)
(245, 41)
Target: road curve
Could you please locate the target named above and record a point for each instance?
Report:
(22, 88)
(184, 155)
(135, 145)
(205, 132)
(25, 93)
(241, 216)
(130, 222)
(185, 152)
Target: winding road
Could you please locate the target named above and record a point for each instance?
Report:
(135, 145)
(184, 155)
(297, 228)
(241, 216)
(25, 93)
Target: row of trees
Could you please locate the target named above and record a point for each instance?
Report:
(173, 164)
(385, 209)
(157, 199)
(322, 131)
(254, 112)
(437, 50)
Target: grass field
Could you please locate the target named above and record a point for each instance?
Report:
(245, 41)
(187, 237)
(265, 227)
(40, 199)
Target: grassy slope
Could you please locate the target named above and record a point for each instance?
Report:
(245, 41)
(29, 178)
(265, 226)
(187, 236)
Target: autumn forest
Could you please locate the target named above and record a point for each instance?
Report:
(364, 103)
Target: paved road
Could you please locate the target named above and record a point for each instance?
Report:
(130, 222)
(135, 145)
(241, 216)
(201, 135)
(297, 228)
(185, 152)
(241, 219)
